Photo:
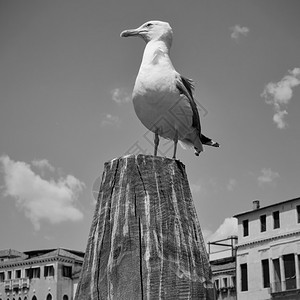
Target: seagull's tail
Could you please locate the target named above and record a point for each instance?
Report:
(209, 142)
(204, 140)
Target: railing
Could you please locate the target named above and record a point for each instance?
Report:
(17, 283)
(287, 285)
(24, 282)
(7, 285)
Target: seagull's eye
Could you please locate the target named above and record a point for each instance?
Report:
(149, 25)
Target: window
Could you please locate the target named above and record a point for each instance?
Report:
(217, 284)
(246, 227)
(233, 280)
(8, 274)
(67, 271)
(244, 277)
(33, 272)
(265, 273)
(298, 213)
(18, 274)
(49, 297)
(2, 276)
(263, 224)
(34, 298)
(289, 271)
(276, 219)
(65, 297)
(225, 282)
(28, 273)
(277, 276)
(49, 271)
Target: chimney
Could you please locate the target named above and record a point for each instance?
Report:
(256, 204)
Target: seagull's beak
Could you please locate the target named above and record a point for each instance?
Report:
(132, 32)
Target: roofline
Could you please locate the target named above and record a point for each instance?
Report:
(262, 208)
(31, 259)
(52, 249)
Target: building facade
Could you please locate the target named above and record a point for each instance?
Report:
(222, 257)
(268, 252)
(39, 275)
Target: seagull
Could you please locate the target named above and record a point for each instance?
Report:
(163, 99)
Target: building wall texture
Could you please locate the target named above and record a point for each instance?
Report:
(268, 257)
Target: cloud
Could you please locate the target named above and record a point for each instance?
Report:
(228, 228)
(43, 164)
(204, 186)
(237, 31)
(196, 188)
(279, 94)
(52, 201)
(110, 120)
(120, 96)
(231, 184)
(267, 176)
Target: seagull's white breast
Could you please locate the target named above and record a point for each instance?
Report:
(159, 105)
(156, 98)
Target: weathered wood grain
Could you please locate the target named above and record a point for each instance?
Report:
(145, 240)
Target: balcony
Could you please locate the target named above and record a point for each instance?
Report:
(7, 285)
(17, 283)
(25, 283)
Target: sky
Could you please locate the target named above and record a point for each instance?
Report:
(66, 79)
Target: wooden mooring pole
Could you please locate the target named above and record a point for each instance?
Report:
(145, 240)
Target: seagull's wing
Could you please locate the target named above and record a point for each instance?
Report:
(186, 87)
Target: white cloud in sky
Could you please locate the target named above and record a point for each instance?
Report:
(231, 184)
(237, 31)
(204, 186)
(120, 96)
(279, 94)
(110, 120)
(196, 188)
(267, 176)
(40, 199)
(228, 228)
(43, 164)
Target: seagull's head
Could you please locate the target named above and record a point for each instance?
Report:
(152, 30)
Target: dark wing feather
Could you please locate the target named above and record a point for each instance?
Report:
(186, 87)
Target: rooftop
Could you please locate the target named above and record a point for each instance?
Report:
(266, 207)
(11, 256)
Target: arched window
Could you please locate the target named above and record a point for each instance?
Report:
(34, 298)
(65, 297)
(49, 297)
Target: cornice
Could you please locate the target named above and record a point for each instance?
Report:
(269, 239)
(35, 261)
(224, 272)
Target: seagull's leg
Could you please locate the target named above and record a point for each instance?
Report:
(156, 142)
(175, 144)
